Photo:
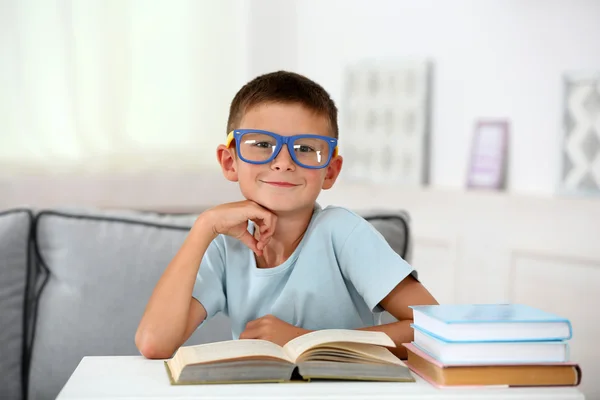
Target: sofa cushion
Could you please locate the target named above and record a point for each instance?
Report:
(15, 227)
(101, 268)
(395, 228)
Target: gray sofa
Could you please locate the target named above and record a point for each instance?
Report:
(75, 283)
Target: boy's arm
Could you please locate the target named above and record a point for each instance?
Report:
(172, 314)
(406, 293)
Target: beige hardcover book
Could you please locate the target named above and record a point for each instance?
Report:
(540, 374)
(326, 354)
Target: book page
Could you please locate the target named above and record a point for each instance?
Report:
(231, 350)
(294, 348)
(357, 351)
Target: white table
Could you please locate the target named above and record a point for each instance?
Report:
(136, 377)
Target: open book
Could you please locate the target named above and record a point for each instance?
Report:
(327, 354)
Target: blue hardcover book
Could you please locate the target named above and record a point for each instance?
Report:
(490, 323)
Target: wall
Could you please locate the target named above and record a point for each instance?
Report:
(493, 59)
(497, 59)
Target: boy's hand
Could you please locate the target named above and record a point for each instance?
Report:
(232, 219)
(272, 329)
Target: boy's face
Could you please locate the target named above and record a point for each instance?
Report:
(281, 185)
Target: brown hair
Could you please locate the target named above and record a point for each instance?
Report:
(282, 87)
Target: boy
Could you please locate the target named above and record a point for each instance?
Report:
(276, 263)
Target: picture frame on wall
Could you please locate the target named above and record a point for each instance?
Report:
(489, 155)
(580, 172)
(385, 115)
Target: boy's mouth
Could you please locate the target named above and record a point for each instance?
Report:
(280, 184)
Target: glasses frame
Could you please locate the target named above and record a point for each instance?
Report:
(288, 141)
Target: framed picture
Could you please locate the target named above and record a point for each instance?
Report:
(384, 117)
(581, 142)
(489, 153)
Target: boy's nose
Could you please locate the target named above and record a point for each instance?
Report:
(283, 161)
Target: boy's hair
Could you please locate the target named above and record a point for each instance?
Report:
(282, 87)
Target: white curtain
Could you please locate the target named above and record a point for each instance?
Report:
(117, 85)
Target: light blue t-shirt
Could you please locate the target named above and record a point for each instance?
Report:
(336, 277)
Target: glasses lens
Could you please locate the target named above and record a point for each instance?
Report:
(312, 152)
(257, 146)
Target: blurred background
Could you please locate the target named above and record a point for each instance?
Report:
(479, 118)
(99, 92)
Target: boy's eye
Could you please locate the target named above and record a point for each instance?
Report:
(264, 145)
(259, 141)
(302, 148)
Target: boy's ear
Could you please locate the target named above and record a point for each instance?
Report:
(333, 171)
(226, 158)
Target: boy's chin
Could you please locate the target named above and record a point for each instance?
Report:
(280, 206)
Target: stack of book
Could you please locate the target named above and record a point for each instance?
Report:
(491, 344)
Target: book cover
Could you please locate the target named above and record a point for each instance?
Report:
(487, 313)
(490, 322)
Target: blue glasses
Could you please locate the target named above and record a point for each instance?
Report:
(261, 147)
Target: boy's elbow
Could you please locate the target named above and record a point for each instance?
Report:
(152, 352)
(152, 348)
